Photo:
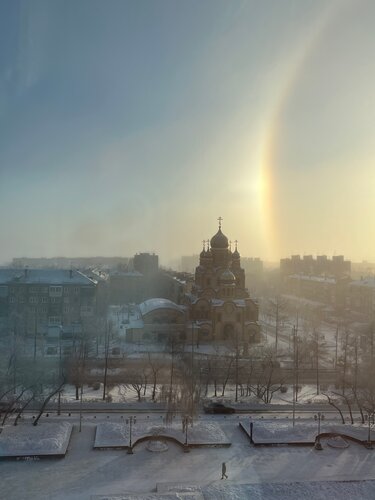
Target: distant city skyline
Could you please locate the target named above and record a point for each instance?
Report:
(132, 126)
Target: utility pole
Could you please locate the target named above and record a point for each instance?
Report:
(106, 354)
(35, 332)
(236, 366)
(277, 325)
(295, 375)
(337, 341)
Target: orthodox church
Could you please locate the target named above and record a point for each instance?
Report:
(219, 305)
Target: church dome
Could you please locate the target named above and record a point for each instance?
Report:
(236, 254)
(219, 240)
(227, 276)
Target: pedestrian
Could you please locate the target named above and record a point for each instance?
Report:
(224, 471)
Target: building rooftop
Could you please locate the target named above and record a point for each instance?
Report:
(321, 279)
(368, 282)
(44, 277)
(152, 304)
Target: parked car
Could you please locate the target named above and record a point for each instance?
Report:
(218, 408)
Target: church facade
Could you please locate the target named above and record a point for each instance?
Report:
(220, 307)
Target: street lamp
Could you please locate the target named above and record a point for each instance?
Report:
(369, 444)
(185, 422)
(131, 420)
(318, 418)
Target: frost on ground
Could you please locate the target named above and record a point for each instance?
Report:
(292, 491)
(28, 440)
(266, 431)
(110, 434)
(153, 496)
(333, 490)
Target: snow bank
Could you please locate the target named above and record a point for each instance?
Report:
(110, 434)
(28, 440)
(282, 431)
(333, 490)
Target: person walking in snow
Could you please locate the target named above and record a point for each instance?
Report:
(224, 471)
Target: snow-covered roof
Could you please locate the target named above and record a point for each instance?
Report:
(153, 304)
(239, 302)
(134, 273)
(367, 282)
(320, 279)
(44, 277)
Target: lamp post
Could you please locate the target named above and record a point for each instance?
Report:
(80, 407)
(251, 430)
(318, 418)
(185, 422)
(192, 367)
(131, 420)
(369, 444)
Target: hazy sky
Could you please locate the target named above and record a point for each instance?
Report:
(130, 126)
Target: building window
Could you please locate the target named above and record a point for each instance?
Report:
(55, 300)
(66, 310)
(44, 300)
(12, 299)
(238, 317)
(33, 300)
(34, 289)
(219, 317)
(55, 291)
(54, 320)
(76, 289)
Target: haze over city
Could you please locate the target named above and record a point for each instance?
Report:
(131, 126)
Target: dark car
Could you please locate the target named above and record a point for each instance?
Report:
(218, 408)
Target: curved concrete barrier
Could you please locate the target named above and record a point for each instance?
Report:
(339, 434)
(158, 438)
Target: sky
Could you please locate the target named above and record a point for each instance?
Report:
(131, 126)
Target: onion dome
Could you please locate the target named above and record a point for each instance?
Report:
(236, 254)
(219, 240)
(227, 277)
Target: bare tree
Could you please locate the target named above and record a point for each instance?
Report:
(277, 312)
(155, 370)
(267, 376)
(47, 399)
(335, 405)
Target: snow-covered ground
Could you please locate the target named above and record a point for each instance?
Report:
(85, 472)
(282, 430)
(292, 491)
(126, 394)
(28, 440)
(200, 433)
